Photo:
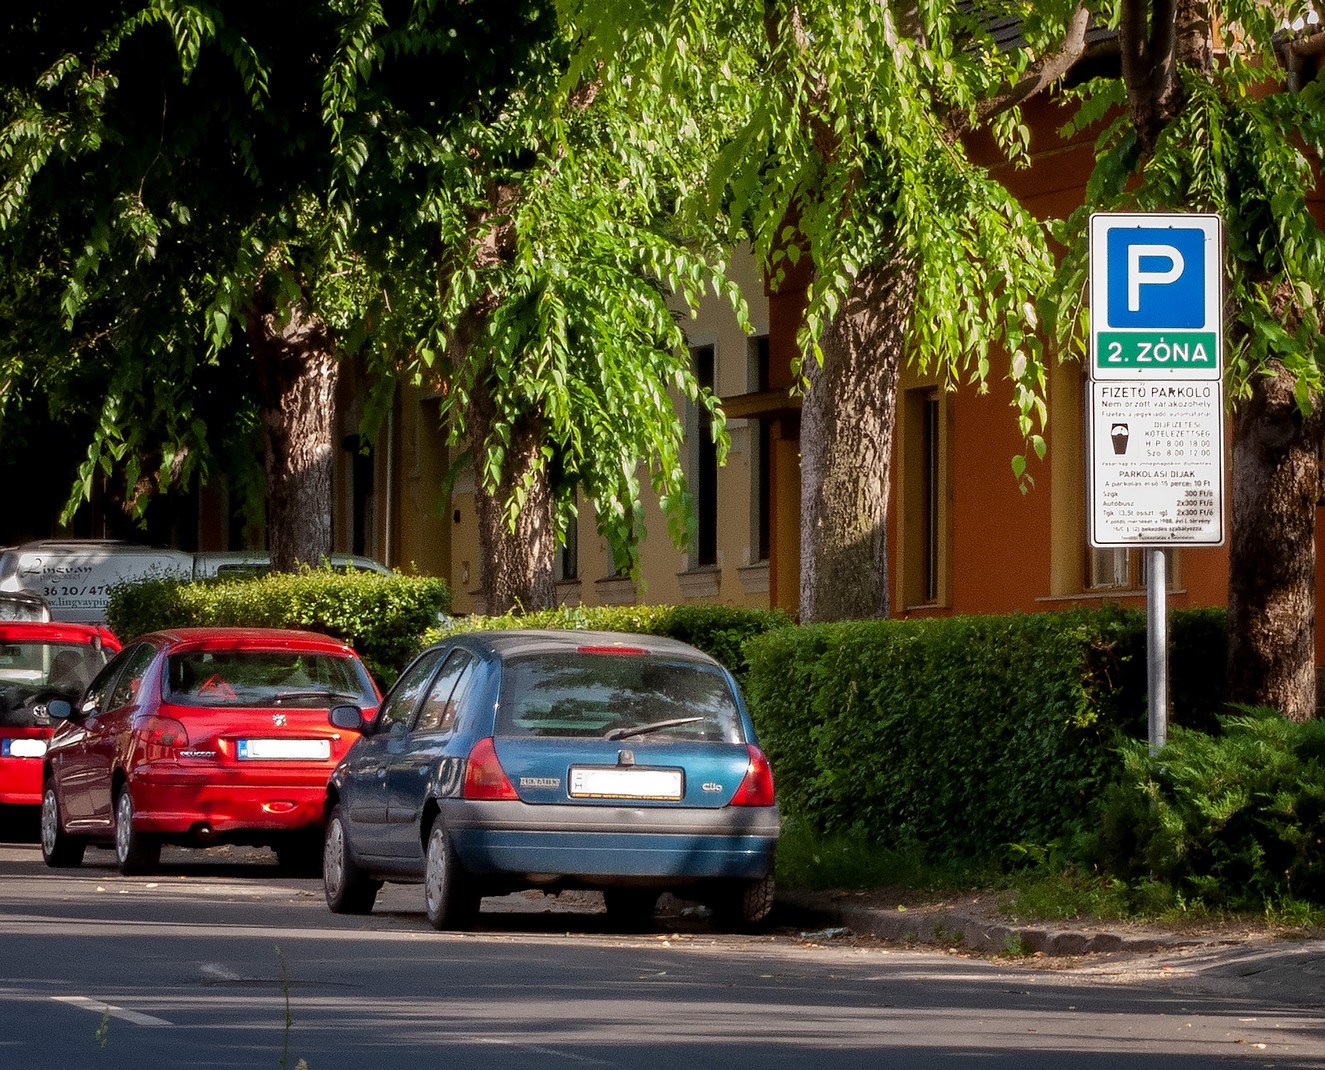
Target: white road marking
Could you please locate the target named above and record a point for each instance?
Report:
(535, 1049)
(100, 1007)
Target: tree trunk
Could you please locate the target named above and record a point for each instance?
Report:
(296, 376)
(1272, 550)
(515, 564)
(847, 421)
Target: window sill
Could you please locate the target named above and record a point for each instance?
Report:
(700, 582)
(754, 578)
(1105, 594)
(615, 591)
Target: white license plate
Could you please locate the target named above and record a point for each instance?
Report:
(285, 749)
(602, 782)
(27, 748)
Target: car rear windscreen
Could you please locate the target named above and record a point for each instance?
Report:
(264, 678)
(616, 696)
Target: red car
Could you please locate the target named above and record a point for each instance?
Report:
(40, 661)
(200, 736)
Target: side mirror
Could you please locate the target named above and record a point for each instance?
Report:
(350, 717)
(60, 709)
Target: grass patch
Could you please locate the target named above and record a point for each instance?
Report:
(1034, 886)
(809, 860)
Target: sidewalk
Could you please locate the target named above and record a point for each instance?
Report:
(1255, 963)
(974, 923)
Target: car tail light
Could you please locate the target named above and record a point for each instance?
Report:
(484, 776)
(632, 651)
(162, 737)
(757, 787)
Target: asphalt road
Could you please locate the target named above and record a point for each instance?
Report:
(202, 966)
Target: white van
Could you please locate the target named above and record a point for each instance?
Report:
(75, 575)
(235, 563)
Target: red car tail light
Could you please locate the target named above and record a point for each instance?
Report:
(629, 651)
(484, 776)
(162, 737)
(757, 787)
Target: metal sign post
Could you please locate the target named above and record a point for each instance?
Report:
(1157, 649)
(1157, 414)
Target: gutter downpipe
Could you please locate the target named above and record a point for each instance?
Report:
(390, 484)
(1293, 54)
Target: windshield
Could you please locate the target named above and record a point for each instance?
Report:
(265, 678)
(616, 696)
(33, 671)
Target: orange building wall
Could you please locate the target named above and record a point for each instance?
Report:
(1026, 552)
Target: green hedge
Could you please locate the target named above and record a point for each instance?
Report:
(720, 631)
(1234, 820)
(962, 735)
(381, 616)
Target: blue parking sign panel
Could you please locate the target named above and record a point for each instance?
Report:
(1156, 277)
(1156, 296)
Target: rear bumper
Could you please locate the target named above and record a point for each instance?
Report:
(597, 843)
(188, 804)
(20, 781)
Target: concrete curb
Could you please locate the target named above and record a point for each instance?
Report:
(820, 915)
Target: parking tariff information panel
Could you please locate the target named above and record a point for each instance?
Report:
(1156, 368)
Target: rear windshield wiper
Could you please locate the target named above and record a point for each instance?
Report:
(315, 692)
(645, 729)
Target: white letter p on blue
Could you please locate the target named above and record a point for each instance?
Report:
(1136, 278)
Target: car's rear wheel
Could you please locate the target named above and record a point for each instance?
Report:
(744, 904)
(348, 889)
(135, 851)
(58, 848)
(630, 908)
(448, 894)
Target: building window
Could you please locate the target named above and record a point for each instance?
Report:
(568, 554)
(1111, 567)
(1123, 568)
(930, 462)
(704, 457)
(923, 506)
(761, 454)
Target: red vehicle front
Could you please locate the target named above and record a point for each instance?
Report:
(40, 661)
(204, 736)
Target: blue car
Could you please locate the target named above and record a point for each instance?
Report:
(503, 761)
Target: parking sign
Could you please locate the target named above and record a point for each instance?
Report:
(1156, 308)
(1156, 393)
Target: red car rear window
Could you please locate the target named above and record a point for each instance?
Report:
(265, 678)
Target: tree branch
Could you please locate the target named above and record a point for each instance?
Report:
(1039, 75)
(1175, 33)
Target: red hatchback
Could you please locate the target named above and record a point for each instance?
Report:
(200, 736)
(40, 661)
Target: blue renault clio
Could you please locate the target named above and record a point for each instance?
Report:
(553, 760)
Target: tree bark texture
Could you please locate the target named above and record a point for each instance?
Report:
(1156, 39)
(1272, 550)
(847, 420)
(296, 376)
(515, 566)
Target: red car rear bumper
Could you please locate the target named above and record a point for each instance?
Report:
(180, 802)
(20, 773)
